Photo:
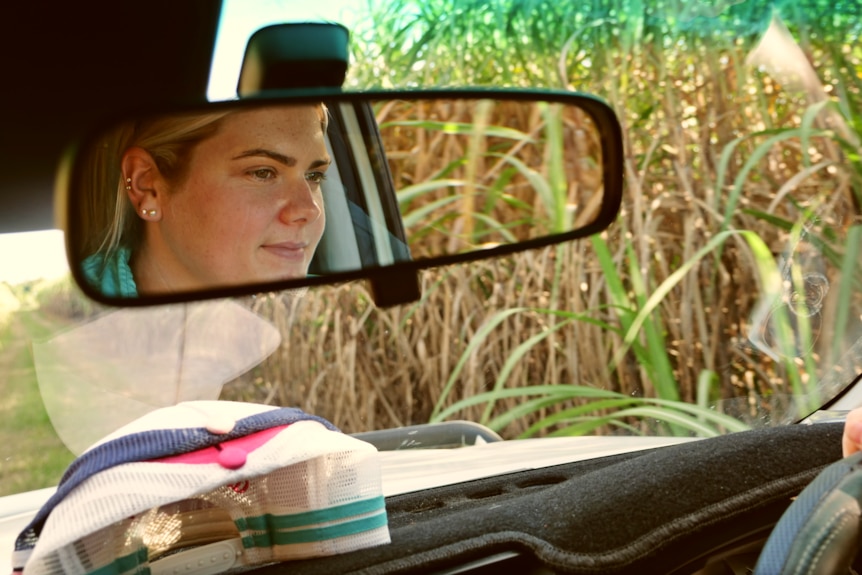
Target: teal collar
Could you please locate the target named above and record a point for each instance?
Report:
(110, 273)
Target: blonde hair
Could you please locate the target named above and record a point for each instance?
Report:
(106, 214)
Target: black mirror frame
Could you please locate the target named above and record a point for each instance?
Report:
(384, 280)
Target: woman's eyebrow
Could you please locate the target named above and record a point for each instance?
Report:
(288, 161)
(319, 163)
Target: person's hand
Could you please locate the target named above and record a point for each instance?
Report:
(852, 440)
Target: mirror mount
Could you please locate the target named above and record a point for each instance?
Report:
(291, 56)
(391, 287)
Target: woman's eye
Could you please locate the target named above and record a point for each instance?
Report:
(263, 173)
(316, 177)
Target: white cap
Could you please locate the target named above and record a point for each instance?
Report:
(230, 484)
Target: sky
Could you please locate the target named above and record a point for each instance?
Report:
(33, 255)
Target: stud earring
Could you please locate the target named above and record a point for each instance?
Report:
(146, 212)
(128, 184)
(151, 212)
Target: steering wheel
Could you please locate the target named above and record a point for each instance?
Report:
(819, 532)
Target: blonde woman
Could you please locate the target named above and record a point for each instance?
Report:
(189, 202)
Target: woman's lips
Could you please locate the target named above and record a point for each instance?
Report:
(290, 251)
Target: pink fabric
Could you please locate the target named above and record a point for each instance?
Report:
(231, 454)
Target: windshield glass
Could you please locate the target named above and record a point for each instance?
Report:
(726, 296)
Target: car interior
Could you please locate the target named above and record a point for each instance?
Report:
(727, 503)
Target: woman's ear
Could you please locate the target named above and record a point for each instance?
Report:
(144, 183)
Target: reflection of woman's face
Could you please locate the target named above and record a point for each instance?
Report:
(249, 207)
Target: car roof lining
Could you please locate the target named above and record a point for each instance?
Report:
(124, 58)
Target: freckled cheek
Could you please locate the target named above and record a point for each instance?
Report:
(219, 217)
(251, 225)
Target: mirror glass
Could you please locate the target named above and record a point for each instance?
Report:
(251, 194)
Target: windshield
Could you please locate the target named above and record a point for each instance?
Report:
(726, 296)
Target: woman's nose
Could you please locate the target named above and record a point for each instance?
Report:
(302, 205)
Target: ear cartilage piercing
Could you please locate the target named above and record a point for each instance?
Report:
(128, 183)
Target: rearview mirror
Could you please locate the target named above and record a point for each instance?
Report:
(264, 195)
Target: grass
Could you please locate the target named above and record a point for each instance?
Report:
(645, 328)
(724, 159)
(31, 454)
(478, 173)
